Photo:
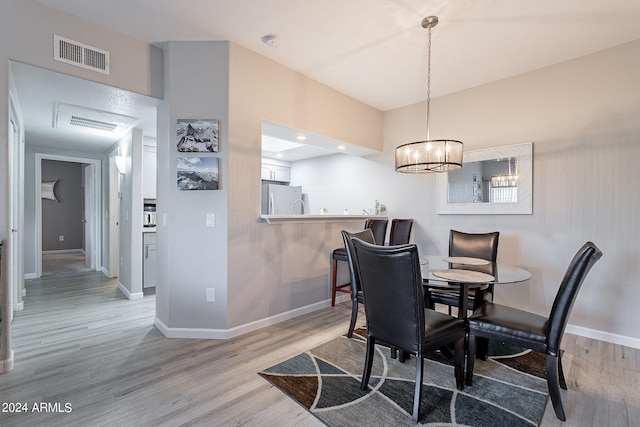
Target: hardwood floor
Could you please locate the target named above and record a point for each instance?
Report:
(80, 342)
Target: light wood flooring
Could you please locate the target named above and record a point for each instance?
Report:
(79, 341)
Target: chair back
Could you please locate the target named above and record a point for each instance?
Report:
(582, 262)
(482, 245)
(379, 228)
(400, 231)
(365, 235)
(393, 299)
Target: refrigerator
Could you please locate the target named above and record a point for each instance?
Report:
(281, 200)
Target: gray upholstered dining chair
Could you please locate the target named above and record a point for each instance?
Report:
(394, 306)
(529, 330)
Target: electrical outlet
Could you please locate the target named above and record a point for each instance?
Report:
(61, 238)
(211, 294)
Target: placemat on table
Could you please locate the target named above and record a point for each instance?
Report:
(464, 275)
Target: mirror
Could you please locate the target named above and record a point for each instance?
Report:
(491, 181)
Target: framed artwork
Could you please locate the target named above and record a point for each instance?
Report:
(198, 173)
(197, 135)
(47, 190)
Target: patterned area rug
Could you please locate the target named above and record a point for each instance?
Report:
(508, 389)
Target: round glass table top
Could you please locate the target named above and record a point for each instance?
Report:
(502, 273)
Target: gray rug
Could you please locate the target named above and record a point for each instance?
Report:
(326, 381)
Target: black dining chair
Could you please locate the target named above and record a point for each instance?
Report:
(365, 235)
(394, 306)
(471, 245)
(379, 228)
(400, 233)
(529, 330)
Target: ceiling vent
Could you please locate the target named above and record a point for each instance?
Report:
(68, 116)
(81, 55)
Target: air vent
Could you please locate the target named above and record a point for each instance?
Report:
(81, 55)
(93, 124)
(68, 116)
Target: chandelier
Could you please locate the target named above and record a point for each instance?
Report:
(430, 155)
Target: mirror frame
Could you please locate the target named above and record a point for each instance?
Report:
(524, 205)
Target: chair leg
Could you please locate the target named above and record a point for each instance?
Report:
(418, 388)
(459, 363)
(354, 315)
(471, 357)
(368, 362)
(561, 380)
(334, 278)
(554, 386)
(482, 348)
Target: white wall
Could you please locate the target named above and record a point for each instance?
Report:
(130, 228)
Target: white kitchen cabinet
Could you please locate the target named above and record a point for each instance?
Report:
(149, 278)
(273, 172)
(149, 172)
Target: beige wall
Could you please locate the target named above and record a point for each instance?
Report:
(583, 118)
(277, 268)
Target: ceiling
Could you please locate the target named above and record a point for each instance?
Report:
(375, 50)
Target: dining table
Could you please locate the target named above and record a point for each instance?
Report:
(462, 274)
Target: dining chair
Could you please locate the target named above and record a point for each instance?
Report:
(529, 330)
(400, 231)
(471, 245)
(365, 235)
(394, 306)
(379, 229)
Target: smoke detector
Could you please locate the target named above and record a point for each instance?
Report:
(271, 40)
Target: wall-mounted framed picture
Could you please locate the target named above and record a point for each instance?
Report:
(197, 135)
(198, 173)
(48, 190)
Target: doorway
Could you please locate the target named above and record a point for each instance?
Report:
(68, 217)
(89, 231)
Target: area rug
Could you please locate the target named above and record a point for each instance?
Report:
(508, 388)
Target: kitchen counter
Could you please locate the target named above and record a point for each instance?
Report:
(282, 219)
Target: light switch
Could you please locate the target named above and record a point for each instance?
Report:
(211, 220)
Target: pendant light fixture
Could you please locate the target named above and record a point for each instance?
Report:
(430, 155)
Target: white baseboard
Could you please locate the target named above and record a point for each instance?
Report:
(130, 296)
(604, 336)
(30, 276)
(64, 251)
(19, 306)
(7, 364)
(221, 334)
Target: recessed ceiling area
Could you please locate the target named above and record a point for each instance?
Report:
(65, 112)
(290, 144)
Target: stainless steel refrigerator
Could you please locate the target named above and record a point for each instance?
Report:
(281, 200)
